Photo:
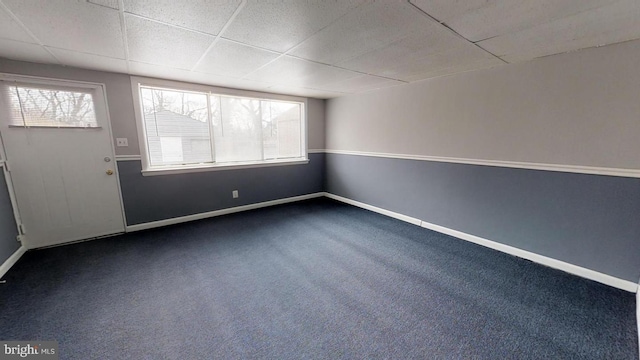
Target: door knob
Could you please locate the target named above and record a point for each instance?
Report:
(109, 172)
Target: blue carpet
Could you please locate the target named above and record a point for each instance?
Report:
(315, 279)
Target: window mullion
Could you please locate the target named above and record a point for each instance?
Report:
(261, 130)
(212, 141)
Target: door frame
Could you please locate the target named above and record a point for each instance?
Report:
(5, 163)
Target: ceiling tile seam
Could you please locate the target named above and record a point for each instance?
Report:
(324, 27)
(82, 52)
(381, 46)
(347, 59)
(533, 26)
(263, 66)
(347, 69)
(123, 28)
(224, 28)
(250, 45)
(441, 23)
(26, 29)
(303, 40)
(312, 89)
(101, 5)
(168, 24)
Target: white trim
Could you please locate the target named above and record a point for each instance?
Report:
(634, 173)
(540, 259)
(40, 80)
(128, 158)
(189, 86)
(218, 167)
(315, 151)
(12, 260)
(178, 220)
(382, 211)
(103, 89)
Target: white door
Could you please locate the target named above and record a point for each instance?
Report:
(58, 146)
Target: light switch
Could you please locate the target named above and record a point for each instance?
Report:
(122, 142)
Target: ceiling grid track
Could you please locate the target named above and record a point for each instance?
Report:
(224, 28)
(427, 15)
(302, 41)
(31, 34)
(123, 28)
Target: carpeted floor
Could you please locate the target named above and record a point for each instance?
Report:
(315, 279)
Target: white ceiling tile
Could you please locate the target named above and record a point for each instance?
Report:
(445, 10)
(17, 50)
(480, 19)
(108, 3)
(89, 61)
(451, 69)
(299, 91)
(298, 72)
(228, 82)
(163, 72)
(280, 25)
(161, 44)
(432, 40)
(233, 59)
(157, 71)
(368, 27)
(10, 29)
(466, 57)
(208, 16)
(609, 24)
(360, 83)
(73, 25)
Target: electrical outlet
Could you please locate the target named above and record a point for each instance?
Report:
(122, 142)
(234, 193)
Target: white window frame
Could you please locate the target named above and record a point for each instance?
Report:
(148, 170)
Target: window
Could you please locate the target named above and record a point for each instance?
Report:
(51, 107)
(187, 129)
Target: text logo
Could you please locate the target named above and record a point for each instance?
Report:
(28, 350)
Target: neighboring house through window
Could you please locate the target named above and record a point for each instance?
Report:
(195, 128)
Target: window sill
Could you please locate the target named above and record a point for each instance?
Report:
(185, 169)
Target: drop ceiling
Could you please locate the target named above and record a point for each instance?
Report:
(314, 48)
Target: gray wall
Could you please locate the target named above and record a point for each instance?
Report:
(586, 220)
(160, 197)
(315, 124)
(8, 230)
(579, 108)
(152, 198)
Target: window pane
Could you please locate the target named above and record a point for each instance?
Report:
(237, 126)
(287, 116)
(176, 125)
(51, 107)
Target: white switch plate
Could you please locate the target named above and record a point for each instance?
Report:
(122, 142)
(234, 193)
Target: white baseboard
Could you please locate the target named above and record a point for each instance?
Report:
(540, 259)
(392, 214)
(12, 260)
(178, 220)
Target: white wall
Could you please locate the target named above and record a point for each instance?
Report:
(580, 108)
